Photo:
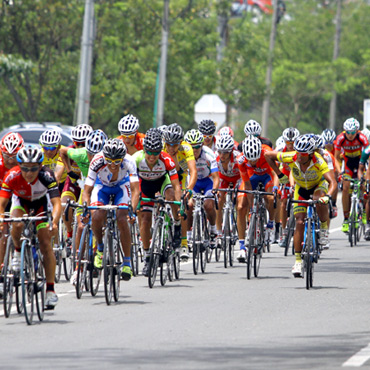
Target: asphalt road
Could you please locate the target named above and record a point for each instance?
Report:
(216, 320)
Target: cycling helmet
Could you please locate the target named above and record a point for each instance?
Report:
(351, 124)
(11, 143)
(207, 127)
(305, 144)
(252, 148)
(80, 133)
(226, 131)
(95, 141)
(290, 134)
(329, 136)
(173, 134)
(50, 138)
(280, 142)
(30, 154)
(153, 140)
(252, 128)
(319, 142)
(225, 144)
(366, 132)
(194, 137)
(128, 125)
(114, 149)
(162, 129)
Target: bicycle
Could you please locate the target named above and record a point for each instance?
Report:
(290, 226)
(201, 236)
(257, 241)
(32, 273)
(136, 245)
(356, 226)
(162, 253)
(229, 227)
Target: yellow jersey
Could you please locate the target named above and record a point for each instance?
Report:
(314, 173)
(184, 155)
(54, 162)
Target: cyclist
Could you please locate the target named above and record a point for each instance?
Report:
(157, 173)
(313, 178)
(227, 131)
(289, 136)
(207, 178)
(71, 190)
(128, 126)
(254, 168)
(50, 144)
(228, 171)
(34, 188)
(182, 154)
(208, 128)
(112, 174)
(252, 127)
(9, 147)
(329, 137)
(349, 144)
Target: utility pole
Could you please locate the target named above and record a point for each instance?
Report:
(163, 65)
(266, 100)
(338, 28)
(84, 81)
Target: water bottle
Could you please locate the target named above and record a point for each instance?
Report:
(35, 257)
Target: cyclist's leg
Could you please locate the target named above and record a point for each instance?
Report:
(346, 201)
(70, 192)
(323, 213)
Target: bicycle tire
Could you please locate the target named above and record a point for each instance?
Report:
(27, 281)
(164, 264)
(361, 225)
(67, 259)
(58, 266)
(291, 224)
(83, 261)
(204, 247)
(197, 241)
(118, 260)
(176, 264)
(218, 250)
(74, 251)
(134, 249)
(94, 274)
(8, 278)
(233, 238)
(18, 296)
(252, 245)
(108, 266)
(155, 247)
(40, 287)
(226, 237)
(307, 256)
(258, 251)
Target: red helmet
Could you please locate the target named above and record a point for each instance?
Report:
(226, 131)
(11, 143)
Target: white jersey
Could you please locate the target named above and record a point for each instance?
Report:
(206, 163)
(100, 174)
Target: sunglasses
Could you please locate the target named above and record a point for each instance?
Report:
(30, 169)
(304, 154)
(129, 136)
(114, 161)
(172, 144)
(152, 153)
(79, 143)
(7, 156)
(208, 136)
(196, 146)
(351, 132)
(49, 147)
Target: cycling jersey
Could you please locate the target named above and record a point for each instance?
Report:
(44, 184)
(206, 163)
(260, 168)
(264, 141)
(314, 173)
(351, 149)
(99, 172)
(79, 156)
(164, 165)
(3, 169)
(232, 173)
(52, 163)
(139, 140)
(183, 155)
(328, 157)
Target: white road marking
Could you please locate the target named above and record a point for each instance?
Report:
(359, 358)
(335, 230)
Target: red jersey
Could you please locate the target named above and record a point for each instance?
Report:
(232, 174)
(139, 140)
(351, 149)
(260, 168)
(14, 183)
(3, 169)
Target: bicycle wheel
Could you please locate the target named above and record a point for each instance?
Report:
(8, 277)
(361, 226)
(134, 249)
(59, 261)
(233, 238)
(258, 251)
(40, 286)
(290, 227)
(27, 281)
(74, 251)
(155, 251)
(252, 245)
(67, 259)
(307, 257)
(118, 260)
(108, 266)
(94, 273)
(176, 264)
(197, 241)
(218, 249)
(170, 265)
(83, 262)
(18, 295)
(226, 237)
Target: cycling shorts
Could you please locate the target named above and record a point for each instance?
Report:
(205, 184)
(305, 194)
(351, 166)
(71, 190)
(266, 180)
(150, 188)
(224, 184)
(37, 206)
(101, 194)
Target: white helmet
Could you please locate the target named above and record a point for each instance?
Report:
(50, 138)
(329, 135)
(351, 124)
(225, 144)
(305, 144)
(252, 148)
(80, 133)
(95, 141)
(226, 131)
(252, 128)
(128, 125)
(290, 134)
(280, 143)
(366, 132)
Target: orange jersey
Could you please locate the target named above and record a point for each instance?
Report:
(139, 140)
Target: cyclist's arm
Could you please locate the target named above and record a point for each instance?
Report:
(59, 170)
(329, 177)
(193, 175)
(3, 204)
(135, 193)
(271, 158)
(215, 179)
(57, 210)
(338, 160)
(65, 159)
(177, 188)
(86, 196)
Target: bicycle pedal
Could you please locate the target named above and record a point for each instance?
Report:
(49, 308)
